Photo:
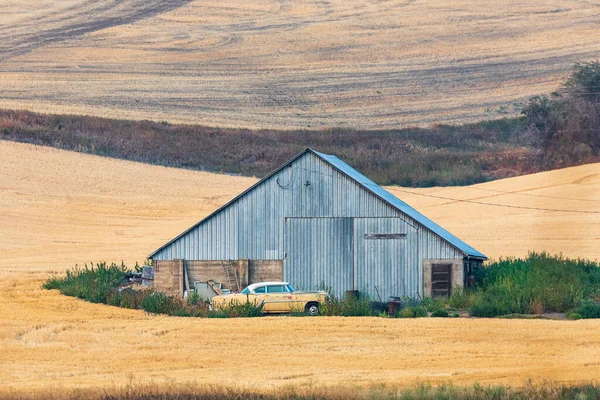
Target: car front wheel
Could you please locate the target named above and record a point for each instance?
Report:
(312, 309)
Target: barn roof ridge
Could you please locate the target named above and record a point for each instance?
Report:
(361, 180)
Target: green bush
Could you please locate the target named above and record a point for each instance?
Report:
(240, 310)
(406, 312)
(347, 308)
(92, 283)
(463, 300)
(440, 314)
(160, 303)
(573, 316)
(588, 310)
(194, 298)
(132, 299)
(433, 305)
(113, 299)
(529, 286)
(420, 312)
(217, 314)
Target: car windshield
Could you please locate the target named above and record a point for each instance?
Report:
(246, 291)
(290, 288)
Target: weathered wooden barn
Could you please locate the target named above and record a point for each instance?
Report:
(314, 222)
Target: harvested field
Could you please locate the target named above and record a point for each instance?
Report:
(60, 208)
(282, 64)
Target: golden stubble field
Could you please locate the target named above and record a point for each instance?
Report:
(60, 208)
(290, 64)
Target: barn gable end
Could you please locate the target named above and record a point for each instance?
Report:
(315, 214)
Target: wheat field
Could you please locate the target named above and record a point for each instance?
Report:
(290, 64)
(60, 208)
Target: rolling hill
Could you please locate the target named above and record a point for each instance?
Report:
(281, 64)
(60, 208)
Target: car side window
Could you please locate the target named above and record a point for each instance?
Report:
(276, 289)
(259, 290)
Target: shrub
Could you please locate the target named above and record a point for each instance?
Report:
(131, 298)
(406, 312)
(241, 310)
(533, 285)
(358, 308)
(195, 298)
(440, 314)
(93, 283)
(217, 314)
(347, 308)
(420, 312)
(433, 305)
(412, 312)
(113, 299)
(573, 316)
(588, 310)
(463, 300)
(160, 303)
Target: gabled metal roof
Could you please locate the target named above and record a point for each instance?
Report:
(399, 204)
(368, 185)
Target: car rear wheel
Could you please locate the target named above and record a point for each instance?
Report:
(312, 309)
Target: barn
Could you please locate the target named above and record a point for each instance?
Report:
(317, 222)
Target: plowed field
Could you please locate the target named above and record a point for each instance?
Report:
(290, 64)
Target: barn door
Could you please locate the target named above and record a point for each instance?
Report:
(319, 251)
(385, 258)
(441, 280)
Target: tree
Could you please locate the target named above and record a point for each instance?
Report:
(584, 81)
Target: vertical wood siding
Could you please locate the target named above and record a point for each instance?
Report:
(254, 227)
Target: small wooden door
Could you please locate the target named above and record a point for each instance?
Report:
(441, 280)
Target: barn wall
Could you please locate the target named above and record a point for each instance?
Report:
(320, 253)
(168, 276)
(254, 228)
(203, 271)
(265, 271)
(386, 267)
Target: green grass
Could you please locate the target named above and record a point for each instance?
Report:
(347, 308)
(93, 283)
(514, 287)
(534, 285)
(103, 283)
(239, 310)
(537, 284)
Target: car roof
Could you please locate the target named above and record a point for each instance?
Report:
(260, 284)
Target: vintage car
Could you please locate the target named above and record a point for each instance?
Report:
(276, 297)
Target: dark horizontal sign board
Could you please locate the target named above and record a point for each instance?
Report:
(385, 235)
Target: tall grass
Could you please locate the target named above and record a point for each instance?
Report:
(102, 284)
(537, 284)
(547, 391)
(441, 155)
(534, 285)
(93, 283)
(347, 307)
